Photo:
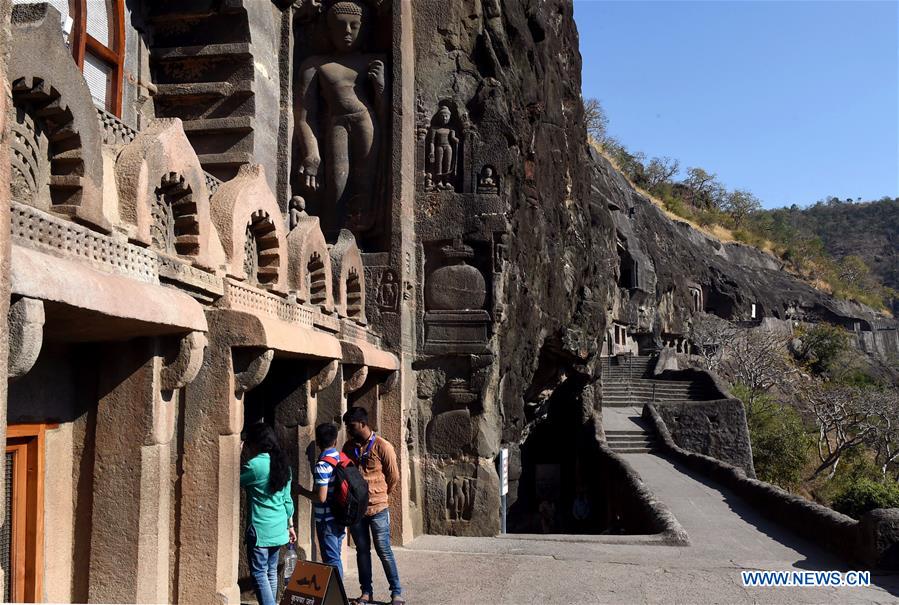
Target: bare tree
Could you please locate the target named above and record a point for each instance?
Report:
(660, 170)
(757, 359)
(842, 422)
(711, 337)
(739, 204)
(596, 119)
(705, 190)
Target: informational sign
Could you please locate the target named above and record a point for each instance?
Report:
(314, 584)
(504, 471)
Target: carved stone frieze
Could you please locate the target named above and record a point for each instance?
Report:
(39, 230)
(243, 297)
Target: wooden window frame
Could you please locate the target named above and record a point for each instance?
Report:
(83, 42)
(27, 441)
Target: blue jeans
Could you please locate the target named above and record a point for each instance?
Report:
(263, 561)
(377, 528)
(330, 539)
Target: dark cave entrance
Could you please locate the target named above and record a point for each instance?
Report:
(567, 483)
(554, 493)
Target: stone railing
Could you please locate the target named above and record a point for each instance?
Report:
(115, 132)
(212, 183)
(242, 297)
(874, 540)
(33, 228)
(352, 332)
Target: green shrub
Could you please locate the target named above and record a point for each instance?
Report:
(822, 345)
(865, 495)
(780, 443)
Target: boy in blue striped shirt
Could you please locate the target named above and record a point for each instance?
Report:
(330, 533)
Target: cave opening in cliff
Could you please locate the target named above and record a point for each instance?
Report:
(566, 485)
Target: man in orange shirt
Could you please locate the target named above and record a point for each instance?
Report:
(376, 460)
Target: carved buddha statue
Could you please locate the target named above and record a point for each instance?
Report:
(341, 96)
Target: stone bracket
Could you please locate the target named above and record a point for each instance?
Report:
(250, 367)
(324, 377)
(25, 322)
(354, 378)
(186, 365)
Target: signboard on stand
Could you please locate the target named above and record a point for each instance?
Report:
(314, 584)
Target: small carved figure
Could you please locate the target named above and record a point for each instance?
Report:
(297, 210)
(352, 85)
(389, 292)
(460, 498)
(487, 182)
(443, 147)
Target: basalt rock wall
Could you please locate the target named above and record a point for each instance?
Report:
(515, 248)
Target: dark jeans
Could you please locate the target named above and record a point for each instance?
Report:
(375, 528)
(263, 561)
(330, 539)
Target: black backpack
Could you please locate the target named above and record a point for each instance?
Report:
(349, 501)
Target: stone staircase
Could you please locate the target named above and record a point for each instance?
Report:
(638, 441)
(627, 381)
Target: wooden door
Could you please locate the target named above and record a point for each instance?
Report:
(21, 537)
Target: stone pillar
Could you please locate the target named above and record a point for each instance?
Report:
(210, 492)
(5, 44)
(130, 538)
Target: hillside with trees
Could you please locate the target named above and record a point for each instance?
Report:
(849, 249)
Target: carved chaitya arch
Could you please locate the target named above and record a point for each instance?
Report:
(163, 196)
(56, 151)
(310, 263)
(252, 233)
(348, 278)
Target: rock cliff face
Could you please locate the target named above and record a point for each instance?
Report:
(503, 78)
(536, 257)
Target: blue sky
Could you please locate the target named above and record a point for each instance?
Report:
(794, 101)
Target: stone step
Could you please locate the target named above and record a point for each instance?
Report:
(634, 450)
(181, 53)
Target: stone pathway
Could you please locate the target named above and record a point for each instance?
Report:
(726, 537)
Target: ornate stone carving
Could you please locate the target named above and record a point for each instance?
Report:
(241, 297)
(341, 111)
(388, 291)
(35, 229)
(460, 495)
(115, 132)
(456, 286)
(348, 278)
(25, 322)
(488, 182)
(30, 175)
(297, 211)
(442, 147)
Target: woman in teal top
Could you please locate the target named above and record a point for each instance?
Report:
(266, 477)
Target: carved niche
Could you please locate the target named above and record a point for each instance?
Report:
(444, 148)
(455, 298)
(460, 493)
(388, 291)
(488, 182)
(342, 114)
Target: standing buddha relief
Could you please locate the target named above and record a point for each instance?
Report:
(442, 145)
(341, 112)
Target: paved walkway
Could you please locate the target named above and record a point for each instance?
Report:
(726, 537)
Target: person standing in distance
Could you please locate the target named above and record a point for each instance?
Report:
(376, 459)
